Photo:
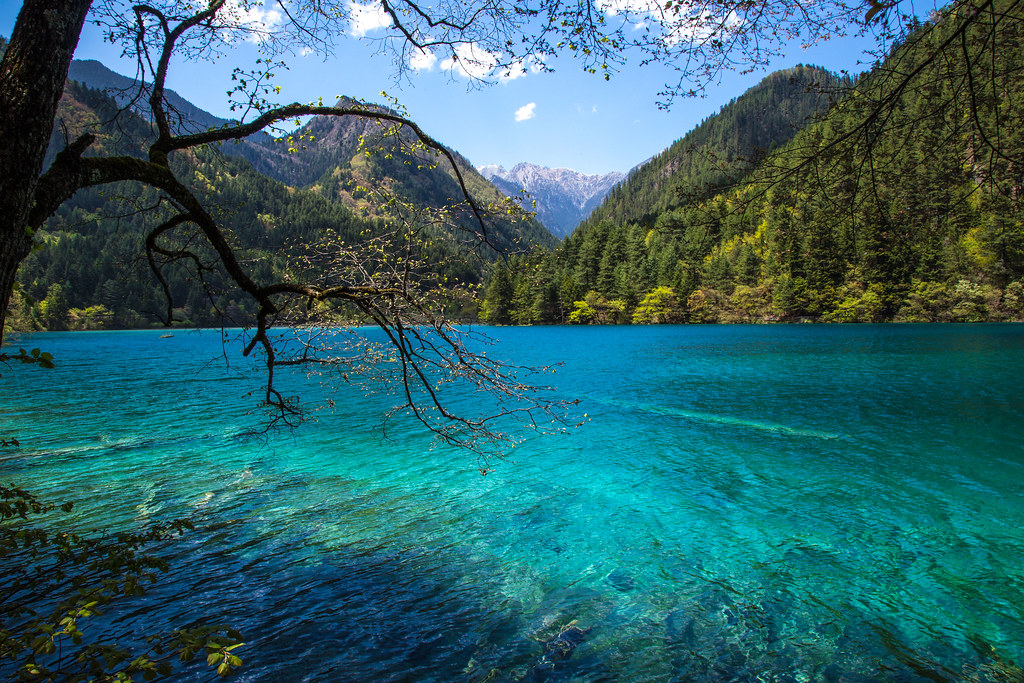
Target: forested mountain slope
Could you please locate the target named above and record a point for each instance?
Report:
(330, 155)
(336, 156)
(726, 146)
(904, 203)
(124, 91)
(91, 269)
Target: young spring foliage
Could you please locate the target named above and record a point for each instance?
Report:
(56, 581)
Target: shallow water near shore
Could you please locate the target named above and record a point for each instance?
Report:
(771, 503)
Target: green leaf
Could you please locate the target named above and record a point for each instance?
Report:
(875, 7)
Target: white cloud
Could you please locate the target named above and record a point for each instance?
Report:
(253, 15)
(249, 20)
(641, 8)
(512, 73)
(690, 24)
(526, 112)
(366, 18)
(472, 61)
(423, 61)
(593, 109)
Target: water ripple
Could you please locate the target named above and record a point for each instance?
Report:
(769, 504)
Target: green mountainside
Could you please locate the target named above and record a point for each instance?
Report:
(90, 269)
(914, 214)
(335, 163)
(726, 146)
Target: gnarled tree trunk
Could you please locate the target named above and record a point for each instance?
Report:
(32, 77)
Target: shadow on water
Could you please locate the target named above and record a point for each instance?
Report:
(358, 613)
(314, 605)
(314, 610)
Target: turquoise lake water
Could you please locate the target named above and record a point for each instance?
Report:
(759, 503)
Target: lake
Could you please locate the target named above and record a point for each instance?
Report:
(769, 503)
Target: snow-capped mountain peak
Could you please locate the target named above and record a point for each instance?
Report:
(564, 197)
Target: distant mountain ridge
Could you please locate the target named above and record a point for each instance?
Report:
(564, 197)
(331, 162)
(121, 88)
(269, 194)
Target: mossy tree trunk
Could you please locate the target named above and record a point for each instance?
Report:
(32, 76)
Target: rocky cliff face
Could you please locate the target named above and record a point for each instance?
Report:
(564, 197)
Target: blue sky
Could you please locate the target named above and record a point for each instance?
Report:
(567, 118)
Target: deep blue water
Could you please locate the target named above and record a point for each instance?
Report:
(771, 503)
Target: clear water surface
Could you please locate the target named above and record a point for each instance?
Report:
(778, 503)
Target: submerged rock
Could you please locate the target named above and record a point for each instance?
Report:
(833, 673)
(556, 650)
(679, 628)
(563, 605)
(621, 580)
(561, 646)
